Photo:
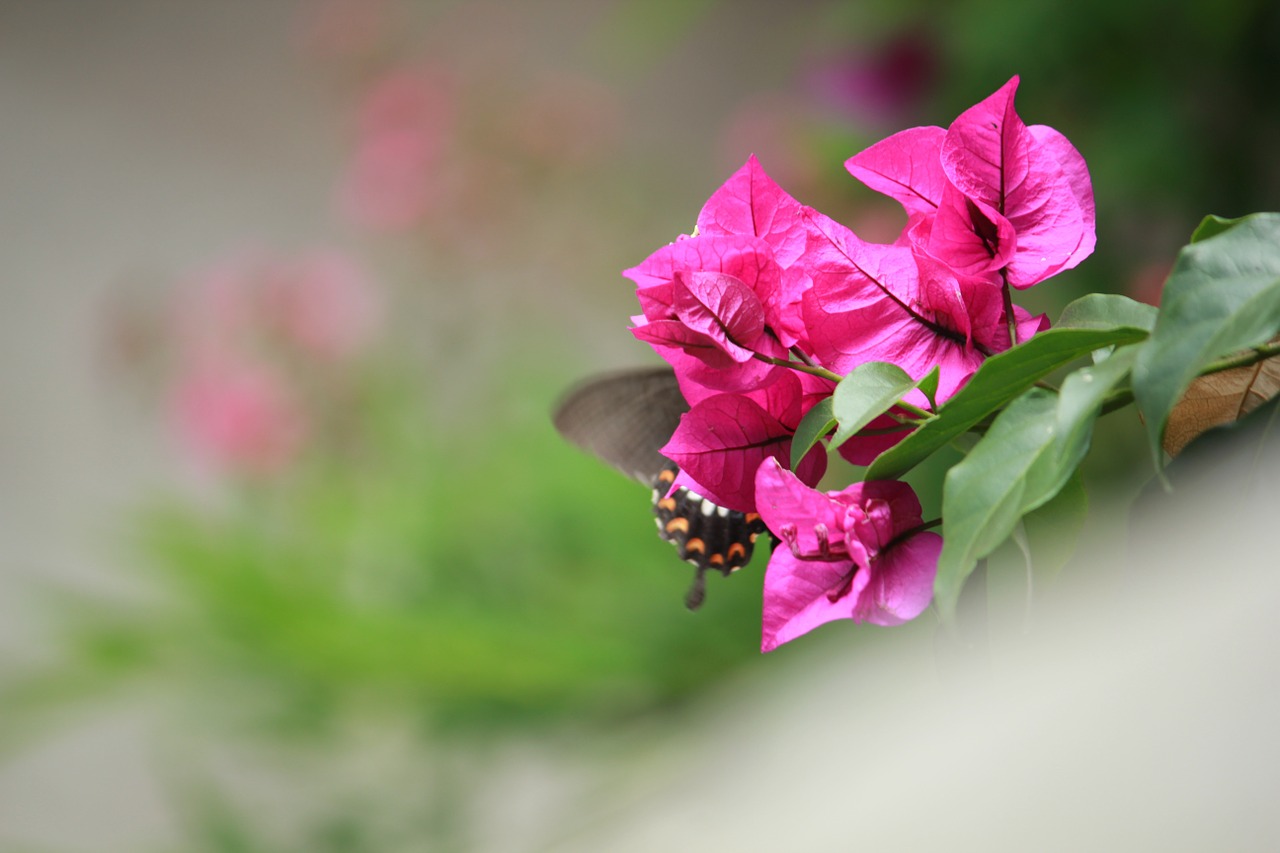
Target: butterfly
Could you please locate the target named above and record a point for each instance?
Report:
(625, 418)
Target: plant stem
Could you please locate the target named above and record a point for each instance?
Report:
(803, 368)
(1253, 355)
(1008, 310)
(906, 534)
(919, 413)
(799, 353)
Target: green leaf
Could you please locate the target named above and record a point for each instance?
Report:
(1222, 296)
(1025, 468)
(1212, 226)
(816, 423)
(929, 386)
(1014, 469)
(1000, 379)
(1107, 311)
(1082, 394)
(868, 392)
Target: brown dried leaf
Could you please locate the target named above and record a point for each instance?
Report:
(1220, 398)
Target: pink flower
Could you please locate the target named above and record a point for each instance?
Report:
(706, 309)
(854, 554)
(872, 302)
(750, 203)
(989, 194)
(237, 417)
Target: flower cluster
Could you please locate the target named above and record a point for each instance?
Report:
(770, 303)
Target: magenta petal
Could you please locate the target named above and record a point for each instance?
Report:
(797, 597)
(656, 300)
(783, 398)
(698, 359)
(722, 441)
(1028, 326)
(1033, 177)
(786, 503)
(722, 308)
(1049, 222)
(1076, 174)
(866, 305)
(984, 153)
(900, 585)
(969, 236)
(750, 202)
(863, 449)
(905, 167)
(1049, 217)
(747, 258)
(891, 509)
(783, 310)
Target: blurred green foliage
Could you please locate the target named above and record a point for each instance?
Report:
(423, 573)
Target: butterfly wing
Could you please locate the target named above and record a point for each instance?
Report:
(624, 418)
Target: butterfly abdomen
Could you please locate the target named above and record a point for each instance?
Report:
(707, 535)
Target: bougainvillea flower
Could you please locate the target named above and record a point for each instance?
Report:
(722, 440)
(751, 203)
(989, 193)
(853, 554)
(1031, 176)
(872, 302)
(703, 302)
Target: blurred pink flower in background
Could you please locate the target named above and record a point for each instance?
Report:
(237, 417)
(1147, 283)
(882, 85)
(318, 304)
(406, 125)
(322, 303)
(250, 334)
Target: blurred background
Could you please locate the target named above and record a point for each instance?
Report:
(290, 556)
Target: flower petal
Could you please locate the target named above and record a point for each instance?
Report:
(750, 202)
(797, 597)
(787, 504)
(722, 308)
(721, 442)
(905, 167)
(900, 584)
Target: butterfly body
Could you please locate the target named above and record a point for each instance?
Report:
(624, 419)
